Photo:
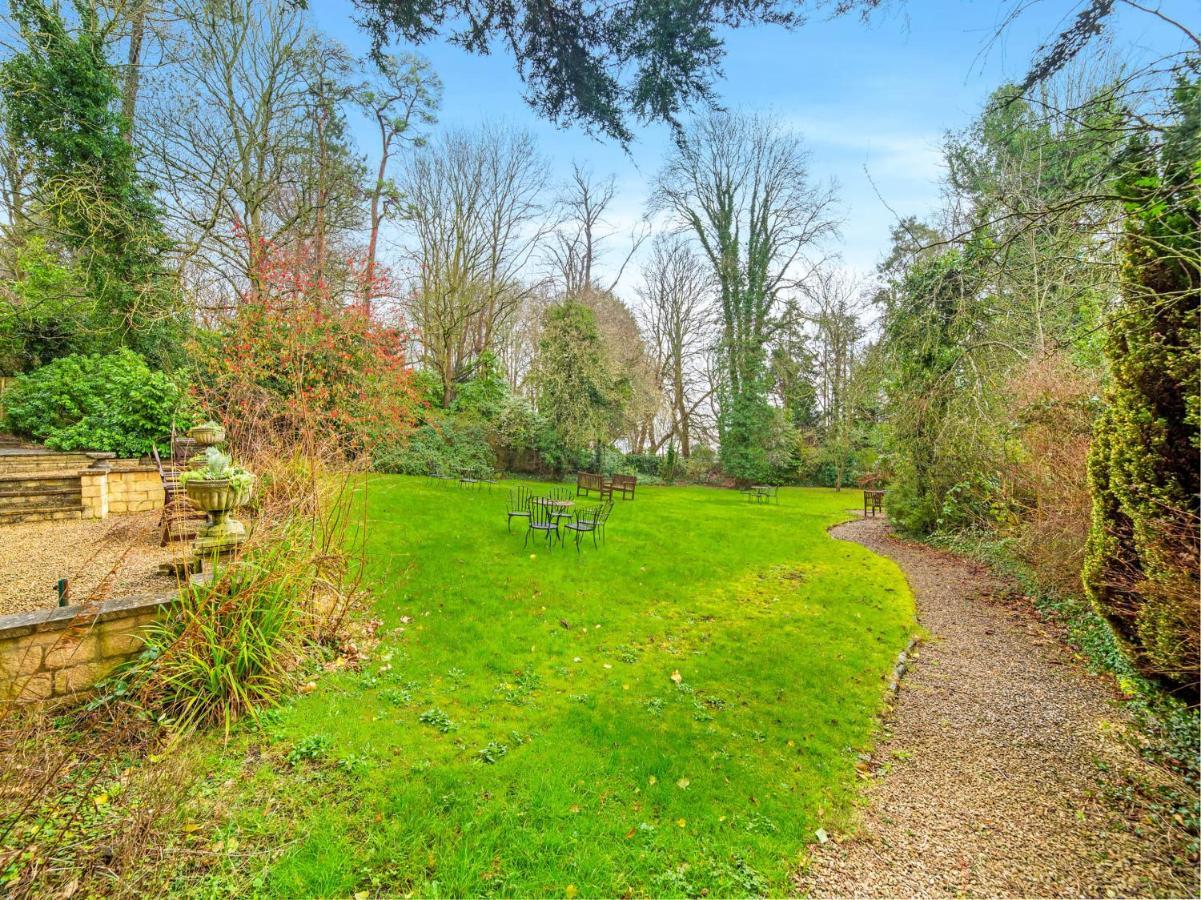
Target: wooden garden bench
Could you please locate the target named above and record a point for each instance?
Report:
(873, 502)
(624, 484)
(586, 482)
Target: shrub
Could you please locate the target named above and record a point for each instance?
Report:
(112, 402)
(297, 360)
(643, 463)
(1052, 408)
(1141, 564)
(445, 445)
(519, 429)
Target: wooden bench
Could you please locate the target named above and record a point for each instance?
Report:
(586, 482)
(624, 484)
(873, 502)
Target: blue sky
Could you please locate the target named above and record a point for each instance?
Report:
(872, 101)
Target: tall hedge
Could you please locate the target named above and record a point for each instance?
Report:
(1141, 567)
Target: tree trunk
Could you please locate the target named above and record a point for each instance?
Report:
(133, 75)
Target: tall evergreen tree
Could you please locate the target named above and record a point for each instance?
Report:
(1141, 570)
(87, 203)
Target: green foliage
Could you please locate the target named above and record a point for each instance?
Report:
(578, 393)
(932, 316)
(519, 428)
(746, 425)
(45, 315)
(1141, 569)
(595, 65)
(485, 393)
(445, 445)
(644, 463)
(110, 403)
(313, 748)
(436, 719)
(62, 120)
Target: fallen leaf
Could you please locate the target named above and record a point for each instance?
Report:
(631, 833)
(822, 837)
(100, 799)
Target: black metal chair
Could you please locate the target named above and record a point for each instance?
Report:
(597, 516)
(561, 495)
(585, 523)
(543, 519)
(519, 505)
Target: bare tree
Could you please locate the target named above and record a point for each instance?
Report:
(230, 133)
(741, 187)
(403, 95)
(677, 297)
(475, 212)
(576, 246)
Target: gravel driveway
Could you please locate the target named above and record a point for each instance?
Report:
(1001, 770)
(114, 557)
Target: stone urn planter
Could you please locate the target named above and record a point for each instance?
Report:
(218, 487)
(210, 434)
(219, 497)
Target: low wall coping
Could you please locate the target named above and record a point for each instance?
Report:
(20, 624)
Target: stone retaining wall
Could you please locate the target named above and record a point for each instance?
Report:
(134, 488)
(54, 653)
(125, 486)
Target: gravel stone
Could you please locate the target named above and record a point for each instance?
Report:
(988, 779)
(103, 558)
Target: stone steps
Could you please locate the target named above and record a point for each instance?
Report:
(34, 494)
(18, 501)
(20, 462)
(40, 514)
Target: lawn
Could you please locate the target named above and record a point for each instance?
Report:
(677, 713)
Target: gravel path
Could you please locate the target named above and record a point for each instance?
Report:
(114, 557)
(988, 779)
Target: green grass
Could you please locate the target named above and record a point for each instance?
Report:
(519, 731)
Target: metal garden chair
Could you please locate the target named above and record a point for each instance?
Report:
(585, 523)
(597, 516)
(543, 519)
(561, 495)
(519, 504)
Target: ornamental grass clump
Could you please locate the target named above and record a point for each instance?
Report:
(228, 646)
